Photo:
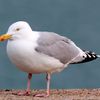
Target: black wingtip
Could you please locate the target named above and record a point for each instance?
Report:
(89, 57)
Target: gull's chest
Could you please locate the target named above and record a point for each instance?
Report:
(20, 48)
(21, 53)
(24, 56)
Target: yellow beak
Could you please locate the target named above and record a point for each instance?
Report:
(5, 37)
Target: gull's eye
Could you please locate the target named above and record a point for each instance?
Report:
(17, 29)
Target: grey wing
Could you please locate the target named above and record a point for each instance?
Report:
(57, 46)
(49, 38)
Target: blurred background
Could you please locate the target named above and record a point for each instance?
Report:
(78, 20)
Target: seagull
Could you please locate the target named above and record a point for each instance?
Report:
(36, 52)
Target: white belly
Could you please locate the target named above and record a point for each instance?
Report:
(23, 55)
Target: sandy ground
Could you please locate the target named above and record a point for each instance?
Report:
(61, 94)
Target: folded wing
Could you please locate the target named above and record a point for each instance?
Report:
(57, 46)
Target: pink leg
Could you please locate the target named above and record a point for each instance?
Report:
(48, 77)
(27, 92)
(29, 79)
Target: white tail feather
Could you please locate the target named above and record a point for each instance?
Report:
(98, 56)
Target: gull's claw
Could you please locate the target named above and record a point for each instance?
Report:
(41, 95)
(23, 93)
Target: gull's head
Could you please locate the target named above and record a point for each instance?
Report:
(20, 29)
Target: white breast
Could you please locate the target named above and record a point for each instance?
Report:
(24, 56)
